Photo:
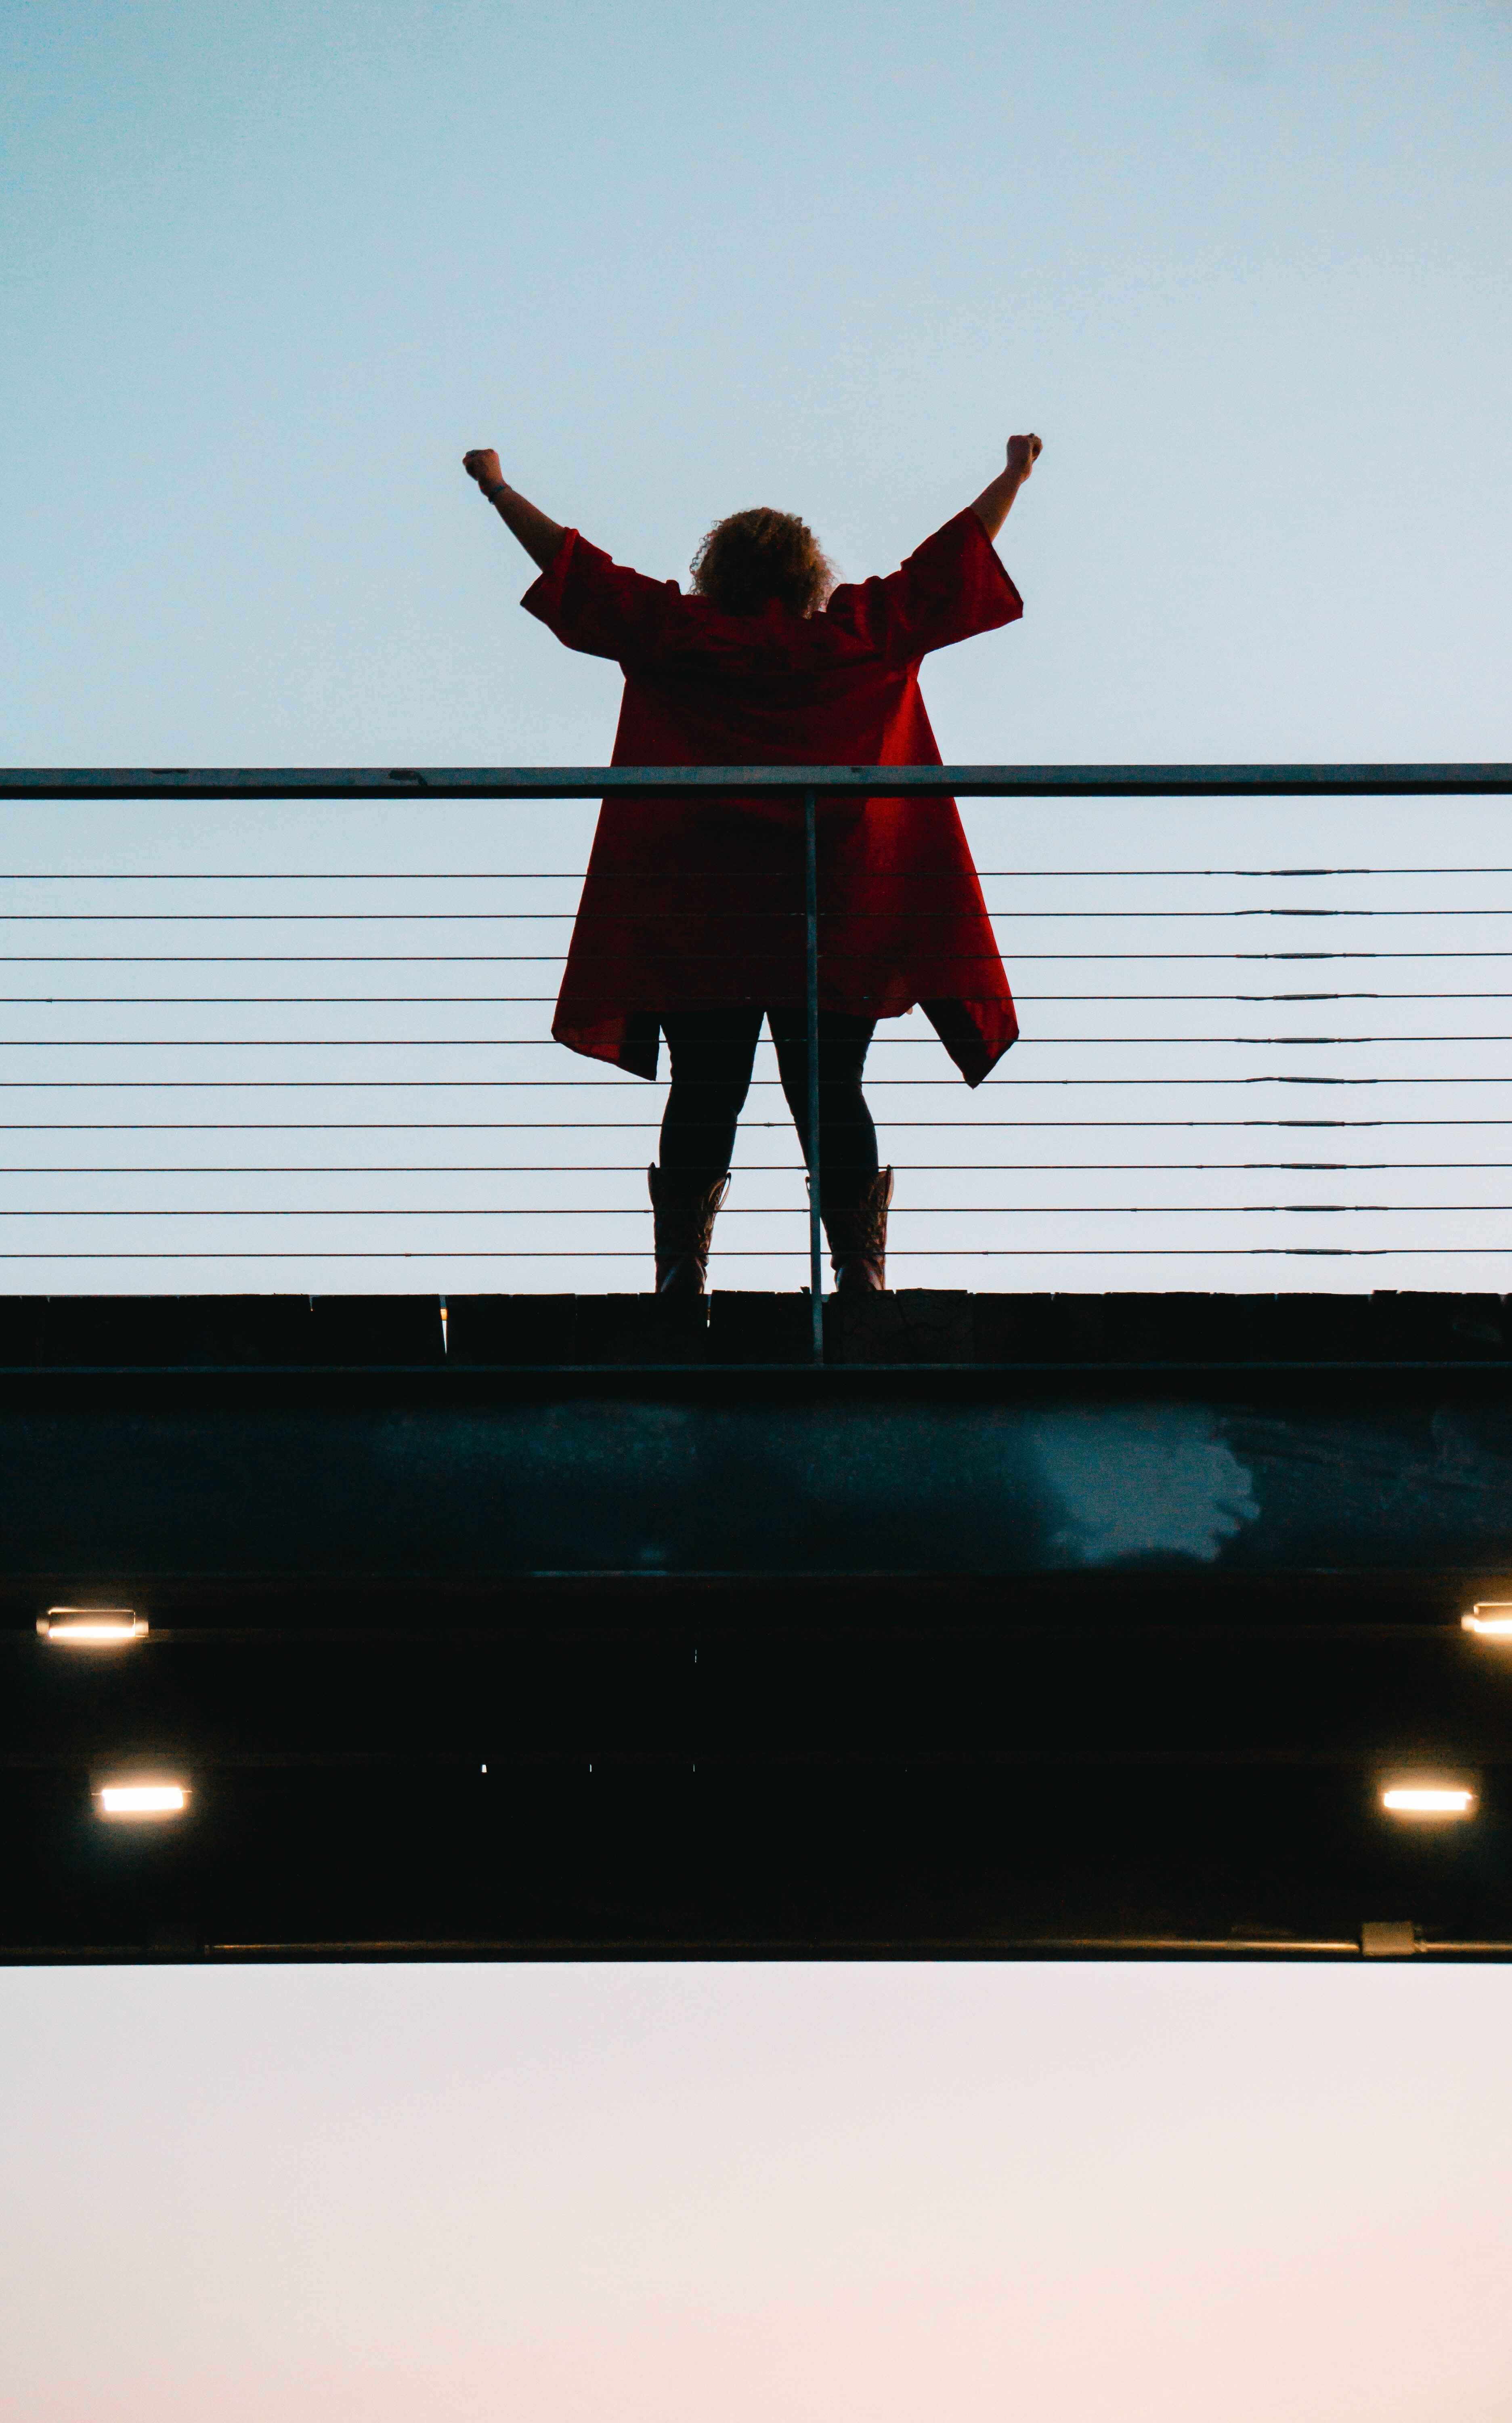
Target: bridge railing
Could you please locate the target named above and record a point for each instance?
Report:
(262, 1032)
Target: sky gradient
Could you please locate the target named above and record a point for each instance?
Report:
(268, 274)
(661, 2194)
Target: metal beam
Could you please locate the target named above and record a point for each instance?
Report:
(1384, 781)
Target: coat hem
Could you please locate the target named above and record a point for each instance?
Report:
(975, 1044)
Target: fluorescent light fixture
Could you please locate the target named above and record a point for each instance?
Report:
(1408, 1799)
(144, 1799)
(93, 1627)
(1491, 1618)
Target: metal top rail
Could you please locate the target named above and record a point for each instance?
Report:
(589, 782)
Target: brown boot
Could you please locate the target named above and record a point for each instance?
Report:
(859, 1239)
(682, 1225)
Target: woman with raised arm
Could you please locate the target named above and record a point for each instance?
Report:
(691, 924)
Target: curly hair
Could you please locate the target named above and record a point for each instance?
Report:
(751, 559)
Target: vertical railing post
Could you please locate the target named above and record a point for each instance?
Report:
(811, 919)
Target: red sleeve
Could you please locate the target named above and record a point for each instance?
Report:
(598, 605)
(949, 588)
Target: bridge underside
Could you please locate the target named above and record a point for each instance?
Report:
(1027, 1625)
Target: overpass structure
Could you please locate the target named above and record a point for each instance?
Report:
(1024, 1625)
(941, 1623)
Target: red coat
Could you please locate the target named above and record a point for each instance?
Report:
(694, 902)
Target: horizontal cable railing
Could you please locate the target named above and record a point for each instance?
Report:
(227, 1062)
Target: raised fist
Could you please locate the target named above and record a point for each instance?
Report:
(482, 465)
(1023, 453)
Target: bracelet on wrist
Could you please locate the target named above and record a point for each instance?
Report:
(494, 490)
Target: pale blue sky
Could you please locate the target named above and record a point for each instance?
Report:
(268, 270)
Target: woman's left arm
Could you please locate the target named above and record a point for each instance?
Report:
(992, 507)
(537, 532)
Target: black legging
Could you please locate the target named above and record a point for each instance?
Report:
(713, 1052)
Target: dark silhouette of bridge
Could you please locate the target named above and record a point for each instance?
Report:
(1023, 1625)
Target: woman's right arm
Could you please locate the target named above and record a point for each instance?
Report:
(537, 532)
(991, 508)
(949, 588)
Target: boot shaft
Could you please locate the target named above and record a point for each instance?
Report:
(683, 1227)
(858, 1236)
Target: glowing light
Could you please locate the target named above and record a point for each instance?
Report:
(1429, 1800)
(92, 1626)
(143, 1800)
(1491, 1618)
